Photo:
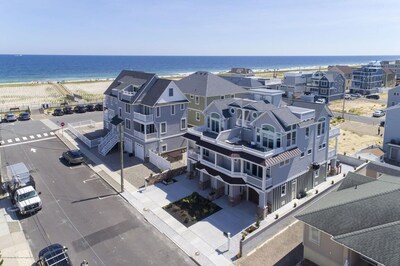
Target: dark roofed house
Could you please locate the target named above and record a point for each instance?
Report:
(153, 112)
(347, 73)
(356, 225)
(241, 71)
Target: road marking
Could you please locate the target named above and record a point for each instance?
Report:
(17, 139)
(27, 142)
(90, 179)
(38, 135)
(52, 133)
(9, 140)
(32, 137)
(45, 134)
(24, 138)
(33, 150)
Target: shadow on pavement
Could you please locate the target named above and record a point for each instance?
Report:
(293, 257)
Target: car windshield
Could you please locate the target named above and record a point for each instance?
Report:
(27, 195)
(76, 154)
(10, 115)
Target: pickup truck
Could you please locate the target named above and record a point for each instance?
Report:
(26, 199)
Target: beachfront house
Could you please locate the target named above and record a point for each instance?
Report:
(392, 65)
(391, 136)
(241, 71)
(294, 83)
(347, 73)
(153, 112)
(256, 151)
(389, 78)
(367, 79)
(393, 96)
(358, 224)
(201, 88)
(327, 85)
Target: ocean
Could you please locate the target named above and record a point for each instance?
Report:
(27, 68)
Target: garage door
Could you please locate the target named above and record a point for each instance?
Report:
(128, 145)
(139, 151)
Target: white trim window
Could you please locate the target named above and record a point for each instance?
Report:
(197, 116)
(127, 108)
(172, 109)
(183, 123)
(314, 235)
(283, 190)
(321, 126)
(164, 148)
(197, 99)
(182, 106)
(171, 92)
(163, 127)
(127, 123)
(158, 112)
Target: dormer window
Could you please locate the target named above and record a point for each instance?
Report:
(214, 122)
(171, 92)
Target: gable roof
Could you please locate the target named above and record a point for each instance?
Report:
(315, 106)
(353, 179)
(352, 213)
(130, 77)
(384, 168)
(244, 82)
(207, 84)
(285, 116)
(153, 93)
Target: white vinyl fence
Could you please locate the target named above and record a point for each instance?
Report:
(160, 162)
(72, 127)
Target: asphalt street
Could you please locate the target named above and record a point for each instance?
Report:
(83, 213)
(362, 119)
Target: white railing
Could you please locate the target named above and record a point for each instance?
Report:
(72, 127)
(253, 180)
(108, 142)
(334, 132)
(143, 118)
(143, 136)
(331, 154)
(160, 162)
(194, 155)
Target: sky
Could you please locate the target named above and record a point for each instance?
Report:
(207, 27)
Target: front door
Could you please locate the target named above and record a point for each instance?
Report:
(294, 189)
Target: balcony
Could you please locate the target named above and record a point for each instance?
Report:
(331, 154)
(193, 155)
(254, 181)
(143, 118)
(334, 132)
(145, 137)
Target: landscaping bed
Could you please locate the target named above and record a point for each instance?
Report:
(191, 209)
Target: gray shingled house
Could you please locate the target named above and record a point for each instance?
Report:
(201, 88)
(256, 151)
(153, 112)
(359, 224)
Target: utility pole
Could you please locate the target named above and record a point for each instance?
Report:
(344, 100)
(121, 147)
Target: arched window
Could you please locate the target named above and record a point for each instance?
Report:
(215, 122)
(268, 137)
(321, 126)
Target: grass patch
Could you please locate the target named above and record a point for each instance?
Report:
(191, 209)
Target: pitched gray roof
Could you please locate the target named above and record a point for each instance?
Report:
(353, 179)
(153, 93)
(344, 69)
(130, 77)
(384, 168)
(207, 84)
(315, 106)
(285, 116)
(244, 82)
(357, 217)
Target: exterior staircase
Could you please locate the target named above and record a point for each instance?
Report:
(108, 142)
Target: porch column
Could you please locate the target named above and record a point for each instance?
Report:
(234, 195)
(204, 182)
(262, 208)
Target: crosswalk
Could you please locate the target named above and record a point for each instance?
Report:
(27, 138)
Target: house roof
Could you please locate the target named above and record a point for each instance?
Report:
(153, 93)
(130, 77)
(315, 106)
(244, 82)
(353, 213)
(241, 70)
(375, 151)
(207, 84)
(224, 177)
(353, 179)
(344, 69)
(384, 168)
(388, 71)
(285, 116)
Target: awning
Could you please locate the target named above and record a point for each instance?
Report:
(116, 120)
(282, 157)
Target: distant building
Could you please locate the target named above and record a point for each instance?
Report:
(347, 73)
(294, 83)
(392, 65)
(393, 97)
(359, 224)
(391, 136)
(389, 78)
(241, 71)
(326, 85)
(201, 88)
(367, 79)
(373, 153)
(245, 82)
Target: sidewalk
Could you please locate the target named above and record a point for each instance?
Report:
(14, 247)
(203, 241)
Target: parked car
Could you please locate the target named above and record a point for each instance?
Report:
(348, 97)
(58, 112)
(80, 108)
(378, 113)
(99, 107)
(320, 100)
(372, 96)
(11, 117)
(54, 254)
(26, 199)
(90, 108)
(73, 156)
(68, 110)
(24, 116)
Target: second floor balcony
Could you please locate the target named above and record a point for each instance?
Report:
(145, 136)
(143, 118)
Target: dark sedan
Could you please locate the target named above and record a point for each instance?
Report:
(90, 108)
(68, 110)
(58, 112)
(73, 156)
(80, 108)
(54, 254)
(99, 107)
(24, 116)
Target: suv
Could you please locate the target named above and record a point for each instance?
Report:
(90, 108)
(73, 156)
(26, 199)
(11, 117)
(58, 112)
(54, 254)
(80, 108)
(68, 110)
(372, 96)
